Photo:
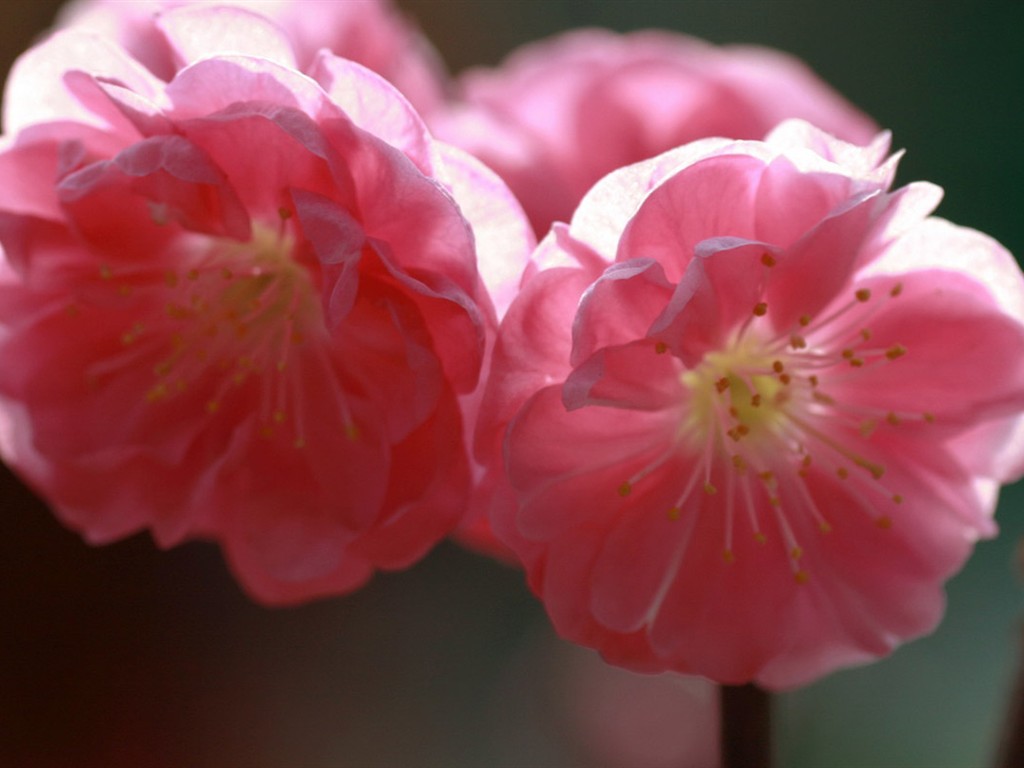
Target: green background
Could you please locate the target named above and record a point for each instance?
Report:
(128, 656)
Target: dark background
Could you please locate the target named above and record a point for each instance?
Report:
(127, 656)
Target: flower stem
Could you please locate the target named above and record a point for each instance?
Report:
(746, 729)
(1011, 748)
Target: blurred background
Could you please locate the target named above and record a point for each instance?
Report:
(128, 656)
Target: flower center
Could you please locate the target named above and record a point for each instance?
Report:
(767, 409)
(740, 389)
(222, 332)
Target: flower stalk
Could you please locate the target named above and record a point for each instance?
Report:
(746, 726)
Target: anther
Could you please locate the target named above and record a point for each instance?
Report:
(625, 489)
(722, 384)
(797, 342)
(768, 260)
(728, 556)
(661, 348)
(896, 350)
(862, 295)
(760, 309)
(801, 577)
(674, 513)
(804, 320)
(709, 489)
(896, 290)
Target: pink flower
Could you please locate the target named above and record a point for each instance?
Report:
(243, 304)
(754, 409)
(370, 32)
(558, 115)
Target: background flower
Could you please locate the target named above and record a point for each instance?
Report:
(559, 114)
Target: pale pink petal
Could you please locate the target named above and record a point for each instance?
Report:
(36, 92)
(501, 231)
(194, 32)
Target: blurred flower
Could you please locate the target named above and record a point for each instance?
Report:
(559, 114)
(754, 409)
(242, 304)
(559, 704)
(371, 32)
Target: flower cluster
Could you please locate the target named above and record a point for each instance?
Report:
(740, 413)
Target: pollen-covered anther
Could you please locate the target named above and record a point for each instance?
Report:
(896, 290)
(862, 295)
(760, 309)
(801, 577)
(797, 342)
(722, 384)
(768, 260)
(710, 489)
(884, 522)
(895, 351)
(674, 513)
(624, 489)
(728, 556)
(660, 348)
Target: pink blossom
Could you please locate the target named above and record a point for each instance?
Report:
(754, 408)
(243, 304)
(559, 114)
(371, 32)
